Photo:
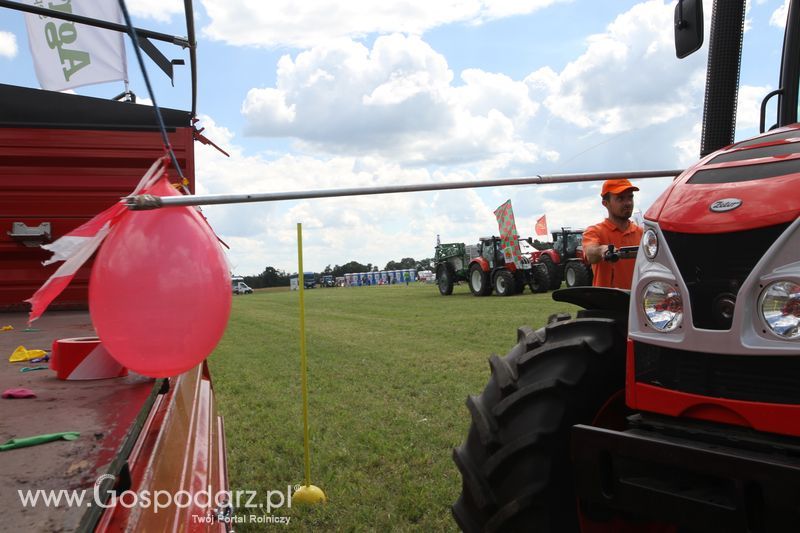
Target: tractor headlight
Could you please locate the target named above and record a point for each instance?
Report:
(663, 306)
(780, 309)
(650, 244)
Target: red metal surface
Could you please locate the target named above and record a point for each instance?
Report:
(181, 448)
(484, 264)
(65, 177)
(774, 418)
(684, 207)
(783, 419)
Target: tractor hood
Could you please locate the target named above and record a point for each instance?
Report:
(751, 184)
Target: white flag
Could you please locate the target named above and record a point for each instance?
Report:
(66, 54)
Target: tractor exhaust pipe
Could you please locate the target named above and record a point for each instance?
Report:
(722, 78)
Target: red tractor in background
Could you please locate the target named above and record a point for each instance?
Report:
(489, 270)
(674, 406)
(565, 260)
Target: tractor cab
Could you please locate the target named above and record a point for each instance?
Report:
(567, 241)
(565, 261)
(489, 248)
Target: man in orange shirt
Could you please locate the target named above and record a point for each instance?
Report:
(617, 229)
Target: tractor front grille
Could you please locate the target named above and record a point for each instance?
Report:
(758, 378)
(714, 266)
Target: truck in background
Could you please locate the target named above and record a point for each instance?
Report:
(309, 281)
(239, 286)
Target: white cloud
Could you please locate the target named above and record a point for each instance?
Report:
(158, 10)
(270, 106)
(778, 18)
(495, 9)
(627, 78)
(368, 229)
(396, 100)
(748, 107)
(400, 99)
(307, 24)
(8, 45)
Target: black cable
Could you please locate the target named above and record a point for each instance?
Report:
(159, 118)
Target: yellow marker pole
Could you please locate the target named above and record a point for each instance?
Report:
(307, 493)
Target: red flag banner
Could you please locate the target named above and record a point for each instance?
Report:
(541, 226)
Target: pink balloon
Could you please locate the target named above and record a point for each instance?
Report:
(160, 289)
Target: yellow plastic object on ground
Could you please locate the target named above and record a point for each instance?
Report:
(309, 494)
(23, 354)
(6, 328)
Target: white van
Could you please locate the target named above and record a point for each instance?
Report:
(239, 286)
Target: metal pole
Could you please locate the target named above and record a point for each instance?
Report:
(301, 285)
(147, 201)
(190, 37)
(18, 6)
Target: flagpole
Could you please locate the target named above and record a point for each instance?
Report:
(146, 201)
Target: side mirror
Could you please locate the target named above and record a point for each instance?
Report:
(688, 27)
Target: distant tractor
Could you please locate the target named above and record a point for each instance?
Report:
(485, 268)
(452, 264)
(565, 261)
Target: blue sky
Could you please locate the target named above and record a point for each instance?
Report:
(336, 93)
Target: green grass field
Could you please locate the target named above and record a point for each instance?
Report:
(389, 369)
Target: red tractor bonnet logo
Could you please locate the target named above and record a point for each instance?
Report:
(726, 204)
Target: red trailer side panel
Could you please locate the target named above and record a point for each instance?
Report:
(63, 177)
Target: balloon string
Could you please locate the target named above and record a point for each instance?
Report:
(150, 92)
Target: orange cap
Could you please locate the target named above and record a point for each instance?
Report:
(617, 186)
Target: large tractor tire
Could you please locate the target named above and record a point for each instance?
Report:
(504, 284)
(520, 281)
(515, 463)
(554, 272)
(445, 275)
(540, 280)
(479, 281)
(577, 274)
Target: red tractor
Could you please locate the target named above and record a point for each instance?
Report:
(674, 406)
(565, 260)
(489, 270)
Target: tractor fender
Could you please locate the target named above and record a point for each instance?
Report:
(599, 298)
(482, 262)
(553, 255)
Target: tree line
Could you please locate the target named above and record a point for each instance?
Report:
(274, 277)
